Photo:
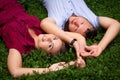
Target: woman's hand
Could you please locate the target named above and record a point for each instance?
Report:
(58, 66)
(79, 63)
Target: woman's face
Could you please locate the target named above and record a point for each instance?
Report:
(49, 42)
(79, 24)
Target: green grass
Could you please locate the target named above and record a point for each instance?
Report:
(104, 67)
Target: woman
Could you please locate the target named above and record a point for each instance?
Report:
(22, 33)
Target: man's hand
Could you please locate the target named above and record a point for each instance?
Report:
(77, 48)
(94, 50)
(80, 49)
(83, 52)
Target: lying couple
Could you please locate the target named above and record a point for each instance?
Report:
(22, 33)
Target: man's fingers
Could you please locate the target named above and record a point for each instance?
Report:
(85, 54)
(88, 48)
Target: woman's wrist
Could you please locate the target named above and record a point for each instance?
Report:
(49, 69)
(46, 70)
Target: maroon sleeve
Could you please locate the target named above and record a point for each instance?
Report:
(14, 39)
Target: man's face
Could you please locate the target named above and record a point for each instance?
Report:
(79, 25)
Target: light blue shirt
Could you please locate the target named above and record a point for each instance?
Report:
(61, 10)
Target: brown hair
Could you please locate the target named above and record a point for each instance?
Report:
(91, 33)
(62, 50)
(66, 27)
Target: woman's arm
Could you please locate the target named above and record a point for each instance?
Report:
(16, 69)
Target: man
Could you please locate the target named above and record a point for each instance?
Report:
(81, 20)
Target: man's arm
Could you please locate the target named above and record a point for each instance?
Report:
(113, 28)
(49, 26)
(82, 43)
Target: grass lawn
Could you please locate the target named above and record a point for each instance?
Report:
(104, 67)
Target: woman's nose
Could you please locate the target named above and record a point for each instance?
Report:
(49, 39)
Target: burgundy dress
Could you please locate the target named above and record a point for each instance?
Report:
(14, 23)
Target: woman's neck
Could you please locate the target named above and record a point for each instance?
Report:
(34, 36)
